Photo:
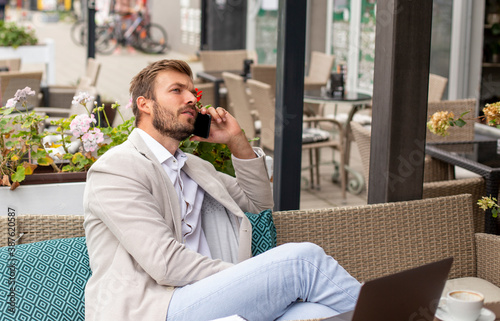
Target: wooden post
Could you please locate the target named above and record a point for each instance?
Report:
(402, 54)
(289, 104)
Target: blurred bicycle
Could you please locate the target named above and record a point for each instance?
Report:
(142, 34)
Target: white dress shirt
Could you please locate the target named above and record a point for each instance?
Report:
(189, 193)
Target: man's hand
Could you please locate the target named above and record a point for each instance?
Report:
(224, 129)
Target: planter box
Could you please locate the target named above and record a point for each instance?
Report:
(44, 199)
(42, 53)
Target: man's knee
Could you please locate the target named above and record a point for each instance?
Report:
(305, 249)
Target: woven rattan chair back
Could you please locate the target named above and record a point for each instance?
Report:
(265, 74)
(264, 104)
(370, 241)
(223, 60)
(320, 67)
(437, 86)
(36, 228)
(11, 82)
(239, 100)
(456, 134)
(13, 64)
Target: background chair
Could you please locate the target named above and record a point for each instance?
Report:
(263, 100)
(56, 113)
(61, 96)
(265, 74)
(320, 68)
(224, 60)
(13, 64)
(437, 86)
(436, 176)
(12, 81)
(239, 103)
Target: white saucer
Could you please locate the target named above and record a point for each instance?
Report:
(486, 315)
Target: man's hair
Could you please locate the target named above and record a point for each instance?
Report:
(143, 84)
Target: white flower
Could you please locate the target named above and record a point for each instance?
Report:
(82, 98)
(91, 139)
(11, 103)
(81, 124)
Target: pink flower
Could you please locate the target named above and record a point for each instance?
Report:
(129, 105)
(22, 94)
(81, 124)
(91, 139)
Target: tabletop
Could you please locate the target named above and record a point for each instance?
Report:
(349, 96)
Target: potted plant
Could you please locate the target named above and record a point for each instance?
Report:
(72, 148)
(12, 35)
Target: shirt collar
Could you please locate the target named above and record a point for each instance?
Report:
(161, 153)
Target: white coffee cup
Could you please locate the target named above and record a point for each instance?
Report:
(464, 305)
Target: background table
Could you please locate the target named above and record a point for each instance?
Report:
(356, 101)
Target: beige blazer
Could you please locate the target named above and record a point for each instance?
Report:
(133, 229)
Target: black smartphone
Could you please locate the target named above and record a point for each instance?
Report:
(202, 125)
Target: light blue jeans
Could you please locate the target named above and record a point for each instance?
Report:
(267, 287)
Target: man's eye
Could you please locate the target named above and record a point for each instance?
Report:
(176, 90)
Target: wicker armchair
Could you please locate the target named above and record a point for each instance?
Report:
(320, 69)
(434, 169)
(369, 241)
(263, 100)
(374, 240)
(265, 74)
(436, 173)
(12, 81)
(239, 103)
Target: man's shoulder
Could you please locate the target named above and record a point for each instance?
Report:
(124, 154)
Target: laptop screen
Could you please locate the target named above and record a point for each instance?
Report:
(408, 295)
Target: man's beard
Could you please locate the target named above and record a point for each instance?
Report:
(168, 125)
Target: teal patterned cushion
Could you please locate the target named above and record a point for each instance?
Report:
(263, 231)
(50, 278)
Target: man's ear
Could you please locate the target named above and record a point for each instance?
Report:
(145, 105)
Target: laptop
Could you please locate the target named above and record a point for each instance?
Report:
(408, 295)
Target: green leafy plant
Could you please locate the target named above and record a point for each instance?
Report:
(20, 140)
(12, 35)
(491, 203)
(74, 146)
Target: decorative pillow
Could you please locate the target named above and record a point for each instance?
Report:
(50, 278)
(314, 135)
(263, 231)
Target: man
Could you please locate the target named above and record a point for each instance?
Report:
(166, 233)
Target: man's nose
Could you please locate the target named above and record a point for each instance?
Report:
(190, 97)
